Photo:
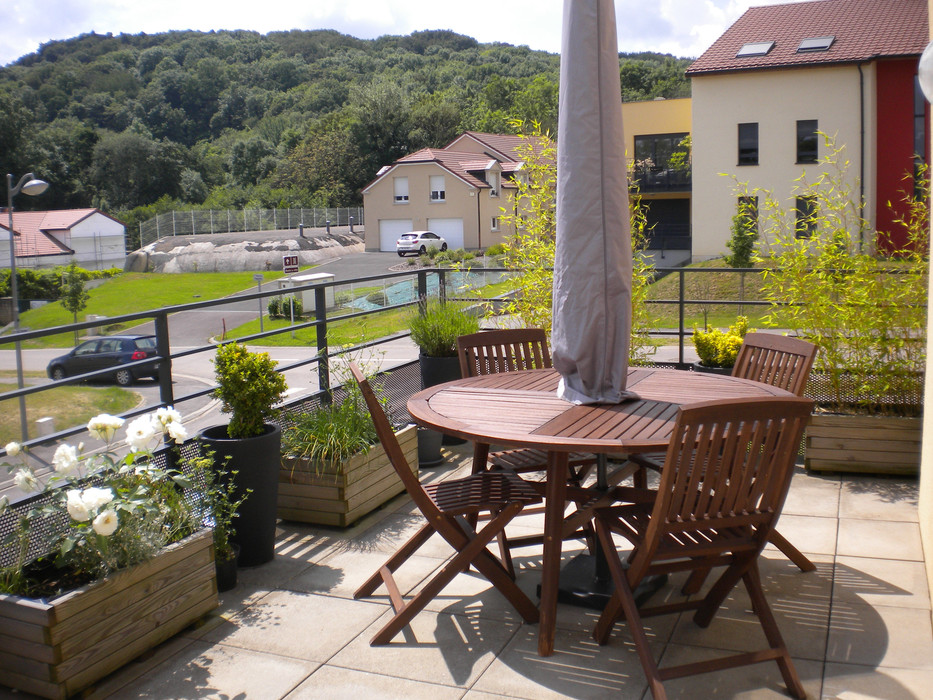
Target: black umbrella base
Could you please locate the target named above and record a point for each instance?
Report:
(583, 586)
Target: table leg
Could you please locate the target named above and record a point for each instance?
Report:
(555, 497)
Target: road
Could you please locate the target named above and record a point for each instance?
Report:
(191, 329)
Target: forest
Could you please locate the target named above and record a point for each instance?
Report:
(139, 124)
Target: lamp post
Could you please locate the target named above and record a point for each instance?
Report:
(28, 184)
(925, 72)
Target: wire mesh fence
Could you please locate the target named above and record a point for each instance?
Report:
(206, 221)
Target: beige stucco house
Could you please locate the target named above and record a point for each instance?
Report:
(458, 192)
(781, 73)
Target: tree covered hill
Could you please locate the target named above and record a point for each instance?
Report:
(136, 124)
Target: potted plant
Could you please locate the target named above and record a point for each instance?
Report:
(435, 329)
(718, 349)
(333, 468)
(109, 559)
(249, 389)
(219, 503)
(865, 311)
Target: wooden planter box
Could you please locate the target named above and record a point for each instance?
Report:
(342, 495)
(867, 444)
(55, 648)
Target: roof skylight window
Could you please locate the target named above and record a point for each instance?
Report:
(755, 48)
(819, 43)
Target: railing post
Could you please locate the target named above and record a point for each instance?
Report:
(681, 297)
(442, 285)
(323, 364)
(166, 393)
(422, 291)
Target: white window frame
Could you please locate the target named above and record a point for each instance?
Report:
(438, 193)
(495, 224)
(400, 189)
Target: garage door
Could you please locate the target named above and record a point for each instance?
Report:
(390, 230)
(451, 230)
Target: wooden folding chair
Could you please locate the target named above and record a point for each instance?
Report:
(510, 350)
(726, 474)
(448, 507)
(771, 359)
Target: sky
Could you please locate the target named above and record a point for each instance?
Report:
(684, 28)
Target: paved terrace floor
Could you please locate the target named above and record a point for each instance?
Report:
(859, 627)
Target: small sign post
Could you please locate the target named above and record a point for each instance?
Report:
(258, 278)
(289, 264)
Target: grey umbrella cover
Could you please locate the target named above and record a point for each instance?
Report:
(593, 258)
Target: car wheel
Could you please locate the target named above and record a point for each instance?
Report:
(123, 377)
(443, 247)
(58, 373)
(423, 250)
(401, 254)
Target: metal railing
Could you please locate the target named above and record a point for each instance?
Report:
(398, 290)
(203, 221)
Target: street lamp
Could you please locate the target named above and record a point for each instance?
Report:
(28, 184)
(925, 72)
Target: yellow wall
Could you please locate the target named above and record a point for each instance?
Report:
(775, 100)
(654, 117)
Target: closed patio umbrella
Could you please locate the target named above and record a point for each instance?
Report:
(592, 316)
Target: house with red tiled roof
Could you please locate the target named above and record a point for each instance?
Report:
(458, 192)
(782, 73)
(47, 238)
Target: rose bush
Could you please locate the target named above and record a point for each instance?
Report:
(102, 512)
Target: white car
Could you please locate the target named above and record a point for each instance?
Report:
(418, 242)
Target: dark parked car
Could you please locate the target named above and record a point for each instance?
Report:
(111, 351)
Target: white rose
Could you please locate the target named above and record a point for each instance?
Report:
(13, 449)
(177, 432)
(106, 523)
(104, 426)
(167, 416)
(65, 459)
(76, 507)
(94, 497)
(26, 481)
(139, 433)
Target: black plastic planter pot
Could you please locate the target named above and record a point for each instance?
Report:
(437, 370)
(226, 571)
(257, 461)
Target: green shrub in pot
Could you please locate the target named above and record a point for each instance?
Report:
(436, 330)
(718, 348)
(248, 387)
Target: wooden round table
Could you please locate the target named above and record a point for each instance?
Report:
(522, 409)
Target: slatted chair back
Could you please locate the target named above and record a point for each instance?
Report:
(393, 450)
(505, 350)
(777, 360)
(726, 473)
(725, 478)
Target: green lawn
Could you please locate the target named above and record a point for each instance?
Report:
(355, 330)
(68, 405)
(708, 285)
(138, 291)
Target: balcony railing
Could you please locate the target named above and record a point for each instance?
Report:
(400, 290)
(655, 179)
